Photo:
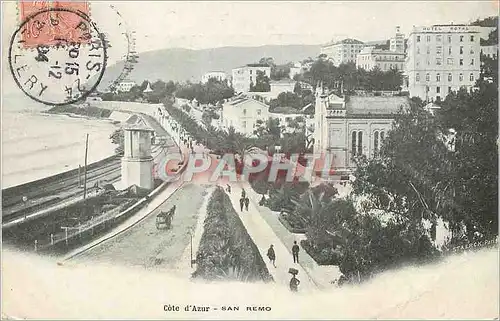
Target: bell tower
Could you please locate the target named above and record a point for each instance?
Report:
(320, 122)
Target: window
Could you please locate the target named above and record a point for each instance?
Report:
(438, 77)
(471, 77)
(461, 38)
(259, 112)
(449, 61)
(428, 50)
(244, 124)
(471, 38)
(472, 62)
(449, 90)
(360, 143)
(450, 77)
(471, 50)
(353, 144)
(418, 38)
(461, 50)
(251, 71)
(381, 137)
(449, 39)
(417, 77)
(418, 50)
(427, 77)
(357, 143)
(438, 50)
(438, 38)
(438, 90)
(428, 38)
(244, 111)
(438, 61)
(461, 77)
(251, 79)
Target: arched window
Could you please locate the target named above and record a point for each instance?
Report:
(375, 144)
(360, 142)
(353, 143)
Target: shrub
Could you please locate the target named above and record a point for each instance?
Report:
(322, 256)
(226, 250)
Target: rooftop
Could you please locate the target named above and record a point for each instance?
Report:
(376, 105)
(348, 41)
(286, 110)
(242, 100)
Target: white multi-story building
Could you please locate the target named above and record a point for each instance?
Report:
(441, 59)
(217, 75)
(397, 43)
(246, 75)
(490, 51)
(125, 86)
(297, 69)
(242, 114)
(370, 58)
(343, 51)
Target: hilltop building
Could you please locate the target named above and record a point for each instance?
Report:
(246, 75)
(370, 58)
(441, 59)
(348, 128)
(125, 86)
(343, 51)
(397, 43)
(217, 75)
(385, 59)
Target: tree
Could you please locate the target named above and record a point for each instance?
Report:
(117, 137)
(261, 83)
(280, 72)
(417, 177)
(269, 132)
(287, 99)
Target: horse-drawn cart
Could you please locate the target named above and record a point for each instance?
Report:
(165, 218)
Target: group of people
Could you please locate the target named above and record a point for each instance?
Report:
(294, 282)
(244, 200)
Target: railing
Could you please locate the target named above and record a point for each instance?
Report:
(336, 113)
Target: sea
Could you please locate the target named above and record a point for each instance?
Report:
(37, 145)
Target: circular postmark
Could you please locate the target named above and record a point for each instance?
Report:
(57, 56)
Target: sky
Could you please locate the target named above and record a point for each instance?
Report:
(206, 24)
(210, 24)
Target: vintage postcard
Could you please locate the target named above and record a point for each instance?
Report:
(249, 160)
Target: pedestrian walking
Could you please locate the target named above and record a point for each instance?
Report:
(294, 284)
(295, 252)
(242, 202)
(243, 193)
(228, 188)
(271, 255)
(247, 201)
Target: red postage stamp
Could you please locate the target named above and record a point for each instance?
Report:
(55, 22)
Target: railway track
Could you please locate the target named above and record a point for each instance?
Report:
(56, 191)
(53, 195)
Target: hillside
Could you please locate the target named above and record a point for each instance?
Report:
(179, 64)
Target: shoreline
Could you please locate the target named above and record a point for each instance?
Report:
(59, 155)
